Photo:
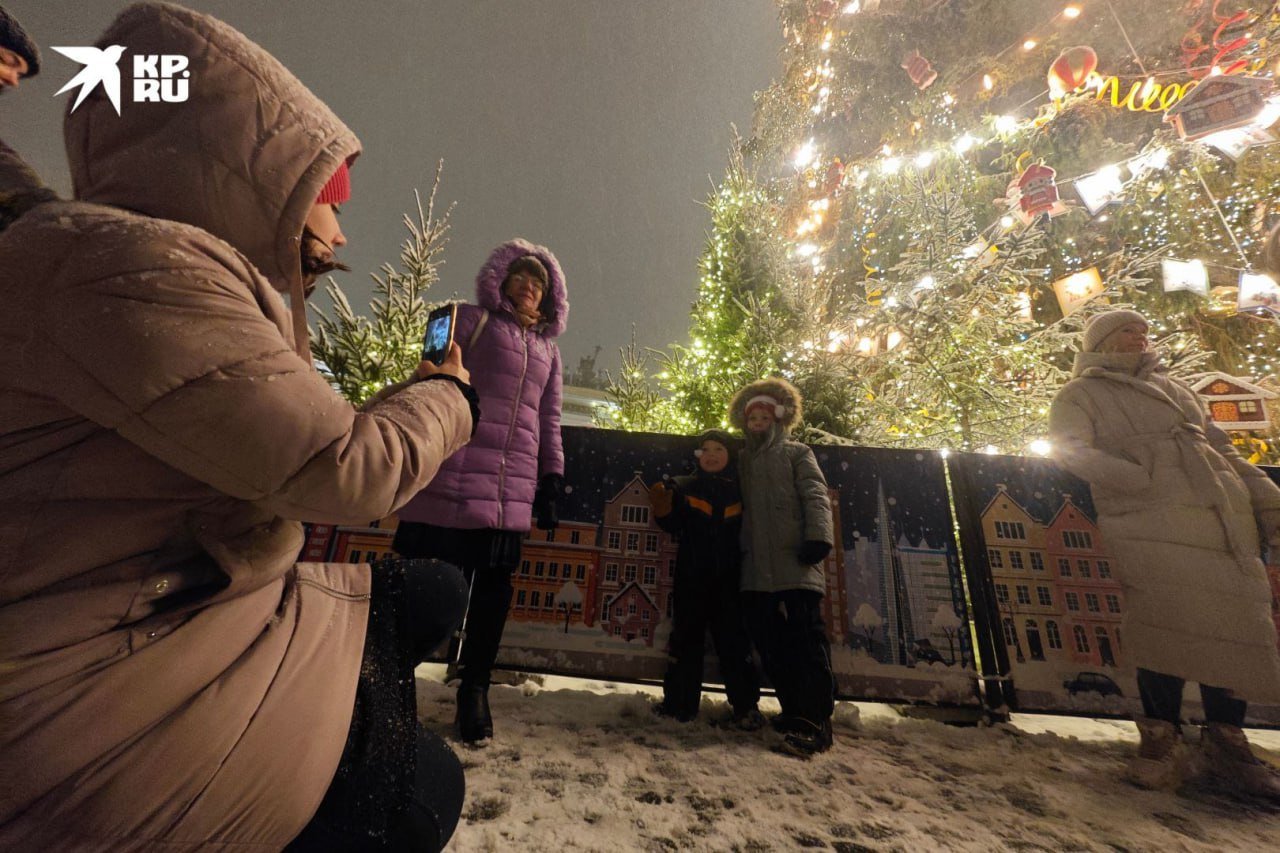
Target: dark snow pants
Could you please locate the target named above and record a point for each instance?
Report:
(397, 787)
(699, 606)
(487, 558)
(1162, 700)
(788, 632)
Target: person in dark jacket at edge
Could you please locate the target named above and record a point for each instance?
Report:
(172, 677)
(19, 56)
(704, 512)
(478, 509)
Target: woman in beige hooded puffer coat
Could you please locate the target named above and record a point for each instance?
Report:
(1180, 509)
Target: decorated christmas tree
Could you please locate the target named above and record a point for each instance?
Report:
(936, 193)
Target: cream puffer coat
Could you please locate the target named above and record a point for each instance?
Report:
(1180, 509)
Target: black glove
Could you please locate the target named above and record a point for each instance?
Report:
(544, 501)
(813, 552)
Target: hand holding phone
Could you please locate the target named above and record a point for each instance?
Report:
(439, 337)
(452, 366)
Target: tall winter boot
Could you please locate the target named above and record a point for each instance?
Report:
(1163, 761)
(1229, 761)
(475, 723)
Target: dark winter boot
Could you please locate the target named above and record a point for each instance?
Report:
(785, 724)
(1229, 760)
(807, 739)
(1163, 761)
(475, 723)
(750, 720)
(666, 709)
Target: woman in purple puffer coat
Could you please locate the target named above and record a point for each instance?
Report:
(482, 502)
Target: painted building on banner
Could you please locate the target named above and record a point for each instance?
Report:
(835, 603)
(1092, 599)
(1030, 604)
(635, 556)
(926, 571)
(557, 575)
(1054, 586)
(364, 544)
(318, 543)
(897, 629)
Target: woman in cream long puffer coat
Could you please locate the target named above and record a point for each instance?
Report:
(1180, 509)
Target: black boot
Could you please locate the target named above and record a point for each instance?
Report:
(475, 723)
(807, 738)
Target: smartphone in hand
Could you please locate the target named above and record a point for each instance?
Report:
(439, 337)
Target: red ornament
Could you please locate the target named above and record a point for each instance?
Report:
(1038, 192)
(919, 70)
(1071, 69)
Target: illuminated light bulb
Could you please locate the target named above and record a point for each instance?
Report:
(1215, 71)
(1040, 447)
(866, 346)
(890, 165)
(1071, 13)
(987, 82)
(991, 450)
(1006, 124)
(926, 283)
(965, 143)
(805, 155)
(1006, 222)
(1029, 44)
(886, 149)
(948, 99)
(923, 159)
(891, 302)
(806, 250)
(853, 8)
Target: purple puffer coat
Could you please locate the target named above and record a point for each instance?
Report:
(516, 372)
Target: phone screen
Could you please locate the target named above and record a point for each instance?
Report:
(439, 335)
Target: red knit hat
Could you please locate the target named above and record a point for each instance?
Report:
(338, 189)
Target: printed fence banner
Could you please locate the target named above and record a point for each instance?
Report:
(595, 598)
(1041, 569)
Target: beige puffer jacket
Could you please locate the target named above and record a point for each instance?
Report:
(169, 678)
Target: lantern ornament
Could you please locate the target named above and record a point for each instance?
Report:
(1072, 69)
(1077, 290)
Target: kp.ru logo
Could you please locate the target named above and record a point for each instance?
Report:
(156, 77)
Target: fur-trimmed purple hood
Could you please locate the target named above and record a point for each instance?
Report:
(555, 304)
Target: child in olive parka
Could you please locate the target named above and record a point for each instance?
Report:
(704, 512)
(787, 532)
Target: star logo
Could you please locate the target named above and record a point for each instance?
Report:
(100, 66)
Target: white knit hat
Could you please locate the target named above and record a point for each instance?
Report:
(1101, 325)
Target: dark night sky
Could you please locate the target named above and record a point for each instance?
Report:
(590, 126)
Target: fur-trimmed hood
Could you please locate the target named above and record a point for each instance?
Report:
(555, 302)
(776, 387)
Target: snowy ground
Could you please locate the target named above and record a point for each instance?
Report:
(585, 765)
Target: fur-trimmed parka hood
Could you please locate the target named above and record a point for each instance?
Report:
(555, 302)
(787, 395)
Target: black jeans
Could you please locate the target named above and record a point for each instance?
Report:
(700, 606)
(397, 787)
(1162, 699)
(487, 558)
(788, 631)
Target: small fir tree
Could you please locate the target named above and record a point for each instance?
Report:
(360, 355)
